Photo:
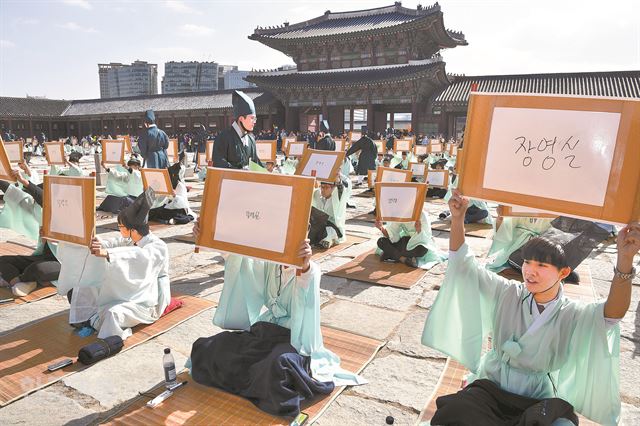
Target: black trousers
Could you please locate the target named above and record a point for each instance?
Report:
(162, 214)
(41, 268)
(396, 250)
(484, 403)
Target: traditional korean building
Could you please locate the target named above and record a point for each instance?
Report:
(383, 60)
(378, 66)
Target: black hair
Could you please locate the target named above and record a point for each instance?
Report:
(545, 251)
(142, 229)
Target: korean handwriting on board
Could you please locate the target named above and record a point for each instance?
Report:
(253, 215)
(63, 203)
(393, 201)
(548, 152)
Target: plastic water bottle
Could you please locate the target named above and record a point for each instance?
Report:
(169, 368)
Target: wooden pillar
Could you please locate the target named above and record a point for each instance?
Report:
(79, 124)
(391, 119)
(415, 119)
(325, 110)
(30, 126)
(351, 118)
(370, 117)
(50, 134)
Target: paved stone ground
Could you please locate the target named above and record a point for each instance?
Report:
(402, 375)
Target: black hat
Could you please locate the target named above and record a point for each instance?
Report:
(174, 174)
(242, 104)
(149, 117)
(364, 130)
(324, 126)
(75, 156)
(138, 213)
(134, 160)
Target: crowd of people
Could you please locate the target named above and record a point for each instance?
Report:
(276, 356)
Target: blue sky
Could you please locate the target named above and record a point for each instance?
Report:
(52, 47)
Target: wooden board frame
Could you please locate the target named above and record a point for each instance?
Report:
(209, 150)
(380, 171)
(5, 163)
(622, 199)
(290, 144)
(274, 150)
(351, 133)
(167, 179)
(426, 168)
(103, 142)
(20, 146)
(88, 185)
(421, 193)
(381, 145)
(424, 150)
(127, 143)
(341, 144)
(452, 149)
(397, 142)
(202, 156)
(172, 151)
(446, 178)
(287, 140)
(299, 213)
(336, 165)
(507, 211)
(53, 145)
(432, 151)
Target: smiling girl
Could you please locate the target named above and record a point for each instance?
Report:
(549, 355)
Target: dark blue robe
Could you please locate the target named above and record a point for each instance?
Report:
(153, 144)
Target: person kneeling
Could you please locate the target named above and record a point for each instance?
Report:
(549, 354)
(409, 243)
(176, 210)
(123, 281)
(278, 359)
(328, 217)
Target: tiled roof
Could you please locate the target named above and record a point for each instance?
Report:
(346, 76)
(34, 107)
(331, 24)
(160, 103)
(623, 84)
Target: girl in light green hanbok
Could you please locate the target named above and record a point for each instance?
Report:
(543, 345)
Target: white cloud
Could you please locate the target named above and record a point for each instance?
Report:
(6, 44)
(178, 6)
(194, 30)
(72, 26)
(25, 21)
(175, 53)
(79, 3)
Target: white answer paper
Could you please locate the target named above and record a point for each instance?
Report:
(66, 210)
(554, 154)
(436, 147)
(296, 149)
(421, 150)
(321, 163)
(55, 154)
(263, 150)
(436, 178)
(13, 152)
(253, 214)
(403, 145)
(156, 181)
(418, 169)
(397, 202)
(391, 176)
(113, 152)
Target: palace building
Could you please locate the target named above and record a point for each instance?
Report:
(381, 67)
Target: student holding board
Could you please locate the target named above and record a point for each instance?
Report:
(123, 186)
(22, 213)
(548, 353)
(120, 282)
(328, 213)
